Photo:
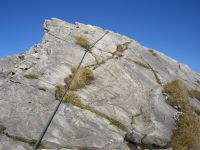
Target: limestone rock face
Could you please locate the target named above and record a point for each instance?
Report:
(127, 88)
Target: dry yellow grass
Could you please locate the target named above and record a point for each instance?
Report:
(178, 94)
(122, 47)
(83, 77)
(187, 134)
(73, 99)
(142, 64)
(195, 94)
(59, 91)
(155, 74)
(139, 63)
(82, 41)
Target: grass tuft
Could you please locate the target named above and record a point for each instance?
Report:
(82, 41)
(120, 49)
(31, 76)
(2, 129)
(73, 99)
(59, 91)
(187, 134)
(83, 77)
(178, 94)
(153, 52)
(21, 57)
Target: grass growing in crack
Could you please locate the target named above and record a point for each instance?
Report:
(18, 138)
(2, 129)
(96, 65)
(153, 52)
(83, 77)
(31, 76)
(112, 121)
(141, 64)
(195, 94)
(59, 91)
(120, 49)
(74, 100)
(155, 74)
(82, 41)
(177, 92)
(21, 57)
(187, 134)
(147, 66)
(21, 139)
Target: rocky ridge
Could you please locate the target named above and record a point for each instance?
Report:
(128, 87)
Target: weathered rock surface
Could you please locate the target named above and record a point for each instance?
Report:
(122, 89)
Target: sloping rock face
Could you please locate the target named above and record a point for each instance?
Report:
(127, 88)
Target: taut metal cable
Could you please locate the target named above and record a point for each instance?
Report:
(60, 101)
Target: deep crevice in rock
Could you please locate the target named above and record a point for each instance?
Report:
(18, 138)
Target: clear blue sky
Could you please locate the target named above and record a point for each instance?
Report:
(169, 26)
